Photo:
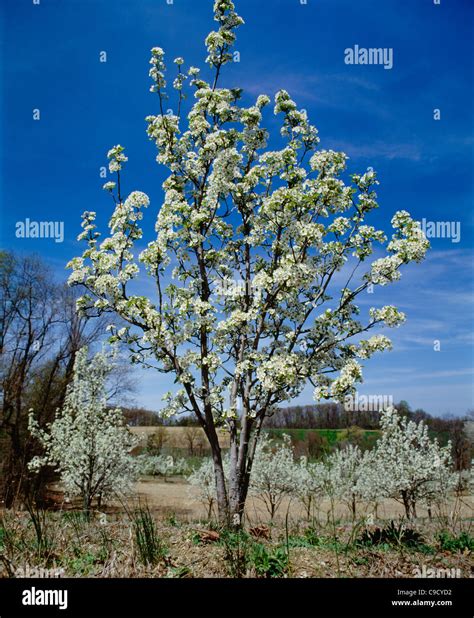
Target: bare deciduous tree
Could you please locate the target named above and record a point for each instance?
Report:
(40, 334)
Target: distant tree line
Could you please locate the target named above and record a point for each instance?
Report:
(141, 417)
(136, 416)
(335, 416)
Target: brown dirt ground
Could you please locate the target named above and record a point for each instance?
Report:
(176, 496)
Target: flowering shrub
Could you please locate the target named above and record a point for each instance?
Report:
(309, 482)
(407, 465)
(160, 465)
(342, 472)
(203, 478)
(273, 473)
(87, 443)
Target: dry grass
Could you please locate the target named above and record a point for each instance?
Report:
(106, 546)
(177, 496)
(176, 436)
(108, 549)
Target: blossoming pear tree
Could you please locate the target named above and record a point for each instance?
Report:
(203, 478)
(309, 483)
(343, 469)
(250, 250)
(407, 465)
(87, 443)
(160, 465)
(273, 474)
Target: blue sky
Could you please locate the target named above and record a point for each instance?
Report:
(381, 118)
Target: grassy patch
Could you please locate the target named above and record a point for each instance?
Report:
(452, 543)
(392, 535)
(269, 561)
(365, 438)
(149, 545)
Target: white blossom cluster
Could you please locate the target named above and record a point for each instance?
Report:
(389, 315)
(273, 472)
(204, 480)
(87, 443)
(342, 473)
(218, 43)
(160, 465)
(116, 158)
(407, 465)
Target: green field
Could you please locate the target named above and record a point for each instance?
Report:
(365, 438)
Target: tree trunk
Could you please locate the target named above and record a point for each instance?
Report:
(15, 470)
(234, 476)
(86, 505)
(222, 501)
(406, 504)
(210, 508)
(410, 505)
(272, 510)
(221, 490)
(241, 466)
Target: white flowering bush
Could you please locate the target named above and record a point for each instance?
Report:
(273, 473)
(465, 480)
(283, 222)
(87, 443)
(407, 465)
(309, 483)
(470, 480)
(343, 470)
(160, 465)
(337, 477)
(469, 474)
(203, 478)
